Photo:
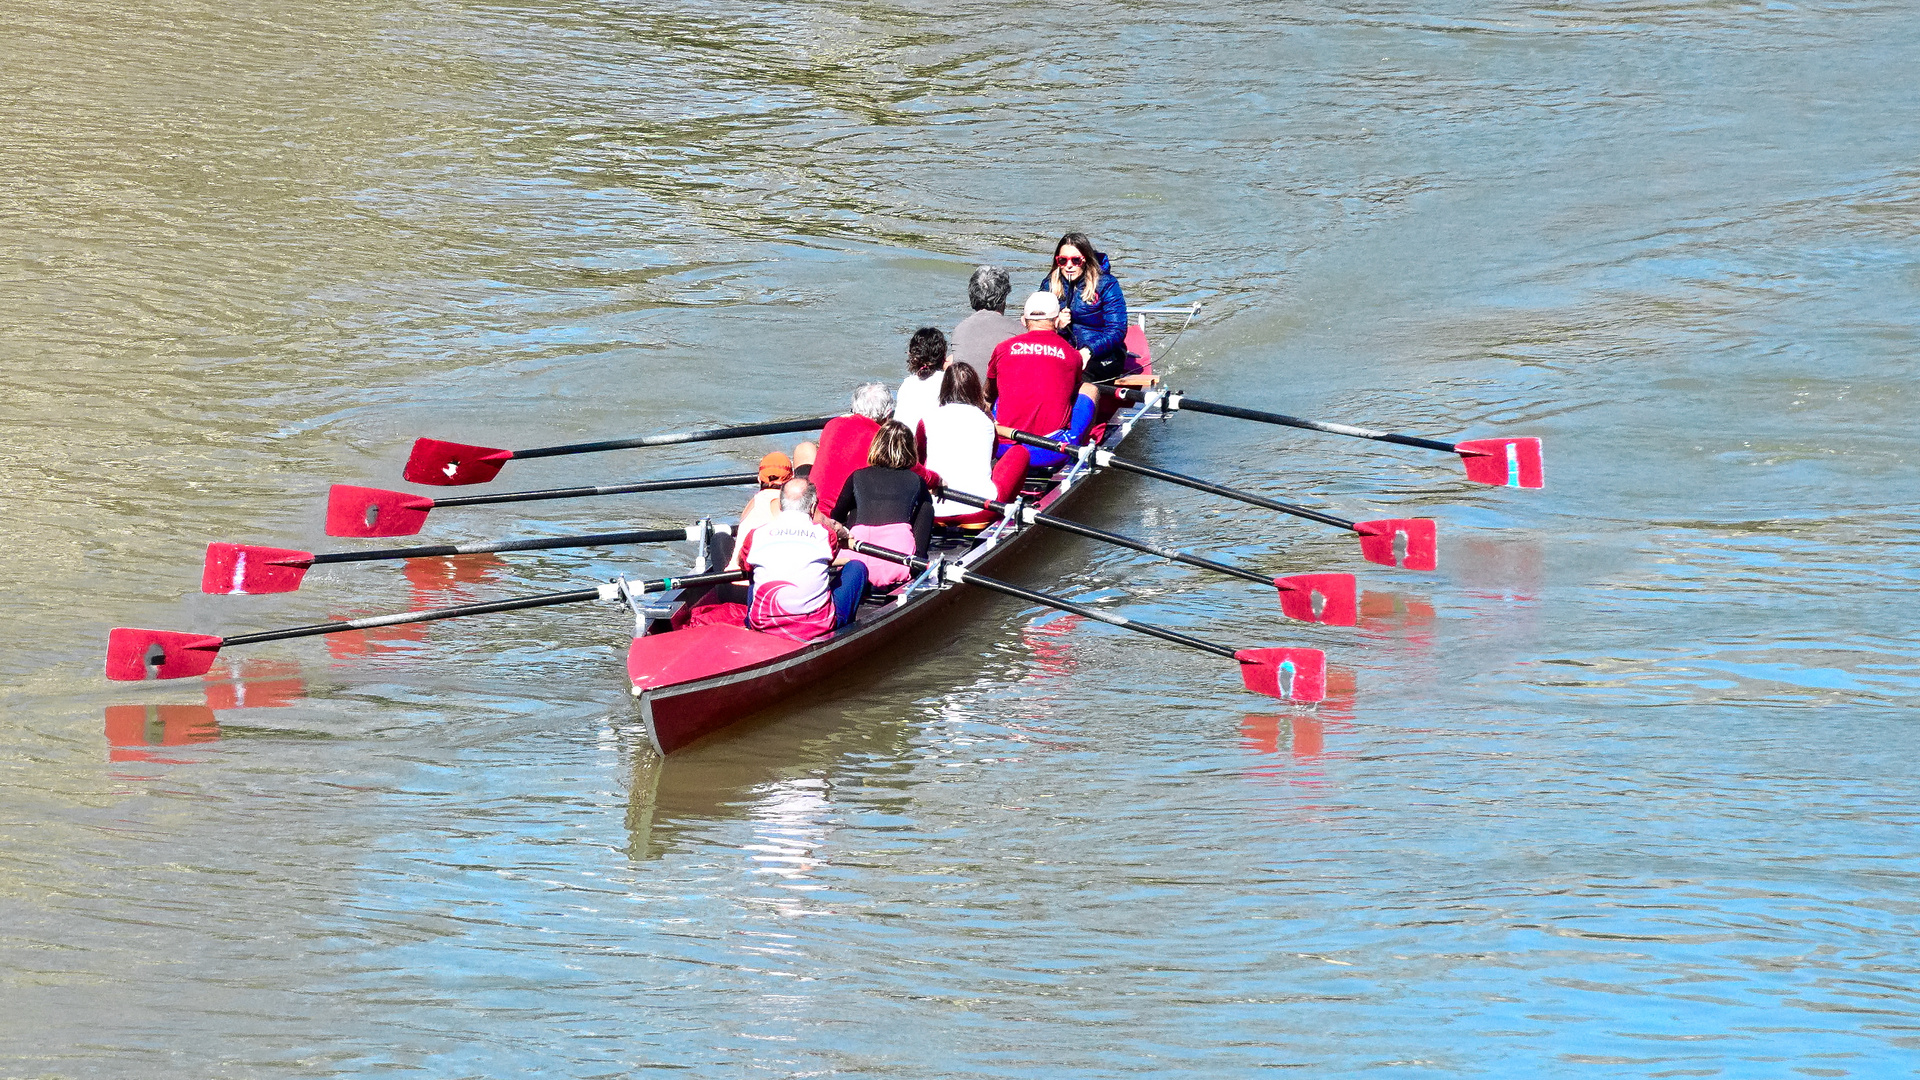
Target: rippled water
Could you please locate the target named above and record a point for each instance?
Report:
(1625, 788)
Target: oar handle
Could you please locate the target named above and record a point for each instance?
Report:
(1117, 539)
(575, 596)
(1107, 460)
(744, 431)
(1182, 401)
(863, 548)
(645, 536)
(677, 484)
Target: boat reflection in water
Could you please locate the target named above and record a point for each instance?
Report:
(855, 730)
(777, 772)
(707, 784)
(137, 732)
(1049, 644)
(777, 768)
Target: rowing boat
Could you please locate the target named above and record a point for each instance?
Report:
(692, 680)
(692, 677)
(695, 680)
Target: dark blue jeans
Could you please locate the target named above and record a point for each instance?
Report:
(849, 591)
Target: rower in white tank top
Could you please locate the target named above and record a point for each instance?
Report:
(918, 397)
(920, 393)
(960, 449)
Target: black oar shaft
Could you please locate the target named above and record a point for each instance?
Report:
(1183, 402)
(1044, 600)
(575, 596)
(1248, 497)
(678, 484)
(1116, 539)
(1237, 412)
(1106, 617)
(744, 431)
(1109, 461)
(646, 536)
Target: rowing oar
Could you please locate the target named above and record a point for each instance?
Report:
(1500, 462)
(449, 464)
(365, 511)
(134, 654)
(1376, 537)
(236, 569)
(1288, 674)
(1337, 607)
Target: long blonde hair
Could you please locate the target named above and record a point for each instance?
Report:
(1089, 274)
(892, 447)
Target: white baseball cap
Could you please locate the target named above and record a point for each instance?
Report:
(1042, 305)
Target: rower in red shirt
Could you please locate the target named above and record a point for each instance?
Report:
(1034, 381)
(847, 439)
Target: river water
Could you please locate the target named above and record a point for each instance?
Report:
(1626, 788)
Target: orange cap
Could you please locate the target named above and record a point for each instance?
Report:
(775, 468)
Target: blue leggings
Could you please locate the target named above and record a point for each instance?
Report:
(849, 591)
(1081, 419)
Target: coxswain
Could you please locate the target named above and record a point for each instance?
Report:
(1093, 312)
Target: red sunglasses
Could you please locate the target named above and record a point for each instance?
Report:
(1069, 260)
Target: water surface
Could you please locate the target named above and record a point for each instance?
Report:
(1624, 788)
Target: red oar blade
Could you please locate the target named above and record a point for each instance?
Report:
(1288, 674)
(1418, 551)
(1503, 462)
(365, 511)
(133, 655)
(1338, 596)
(235, 569)
(450, 464)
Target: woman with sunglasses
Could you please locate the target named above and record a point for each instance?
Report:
(1093, 313)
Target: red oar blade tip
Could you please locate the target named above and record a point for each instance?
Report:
(239, 569)
(450, 464)
(1288, 674)
(1503, 462)
(1337, 595)
(365, 511)
(1411, 543)
(133, 655)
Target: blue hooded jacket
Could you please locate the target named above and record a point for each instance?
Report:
(1099, 326)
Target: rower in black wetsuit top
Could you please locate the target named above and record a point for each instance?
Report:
(887, 504)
